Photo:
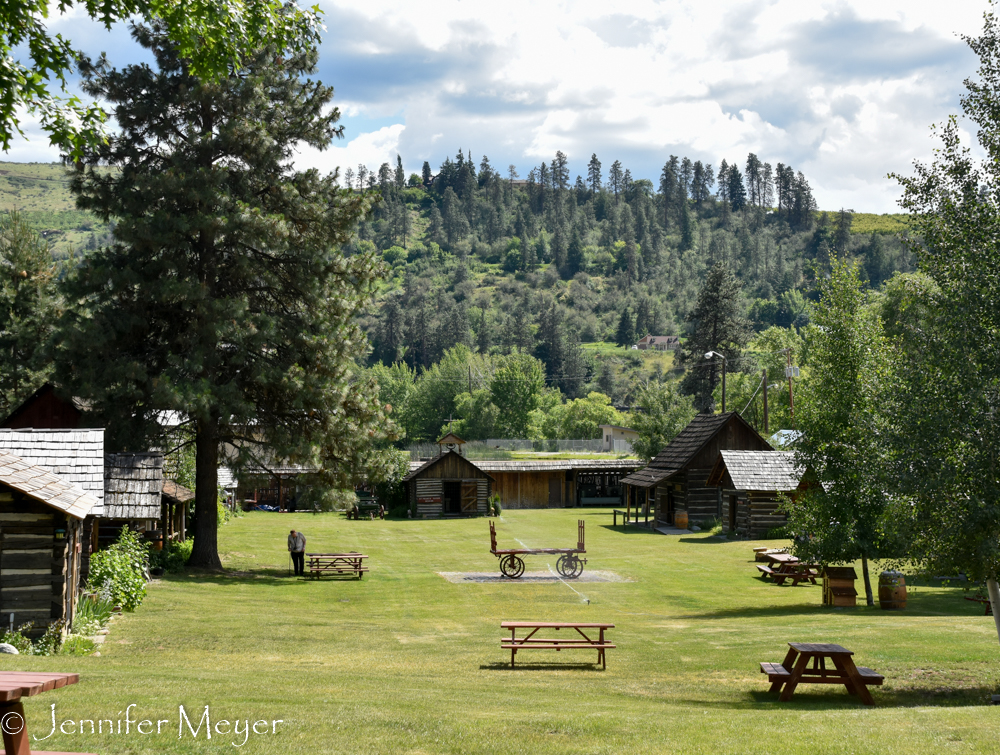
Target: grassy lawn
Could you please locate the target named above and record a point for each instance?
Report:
(407, 662)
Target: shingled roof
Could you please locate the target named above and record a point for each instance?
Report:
(679, 452)
(76, 456)
(45, 486)
(757, 470)
(177, 492)
(132, 484)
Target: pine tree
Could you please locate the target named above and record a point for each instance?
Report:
(625, 335)
(425, 173)
(400, 176)
(594, 174)
(221, 296)
(717, 325)
(574, 255)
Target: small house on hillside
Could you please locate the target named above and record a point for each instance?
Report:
(677, 478)
(659, 343)
(41, 534)
(448, 485)
(751, 482)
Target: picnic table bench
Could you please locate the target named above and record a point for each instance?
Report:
(794, 670)
(13, 686)
(761, 553)
(795, 572)
(988, 610)
(335, 563)
(530, 642)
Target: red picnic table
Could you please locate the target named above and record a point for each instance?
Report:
(13, 686)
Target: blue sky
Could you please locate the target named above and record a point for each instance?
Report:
(844, 91)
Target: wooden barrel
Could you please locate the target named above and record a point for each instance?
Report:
(892, 591)
(681, 520)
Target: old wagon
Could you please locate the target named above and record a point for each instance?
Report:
(569, 564)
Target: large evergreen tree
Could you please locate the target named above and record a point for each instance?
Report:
(223, 296)
(718, 325)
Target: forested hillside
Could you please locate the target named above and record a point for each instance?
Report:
(566, 270)
(547, 264)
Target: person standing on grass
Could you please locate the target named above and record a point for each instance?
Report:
(297, 547)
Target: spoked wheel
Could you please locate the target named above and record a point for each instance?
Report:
(512, 566)
(569, 566)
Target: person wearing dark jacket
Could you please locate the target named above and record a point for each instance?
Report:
(297, 547)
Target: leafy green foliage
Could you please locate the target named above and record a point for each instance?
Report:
(48, 644)
(120, 570)
(29, 305)
(211, 35)
(843, 516)
(76, 645)
(663, 413)
(172, 558)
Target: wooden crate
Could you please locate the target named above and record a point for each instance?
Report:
(838, 586)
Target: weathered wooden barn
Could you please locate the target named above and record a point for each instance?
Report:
(541, 484)
(751, 483)
(677, 478)
(46, 409)
(41, 534)
(448, 485)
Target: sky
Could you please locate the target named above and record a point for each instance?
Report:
(844, 91)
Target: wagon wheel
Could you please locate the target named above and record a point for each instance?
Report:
(512, 566)
(569, 566)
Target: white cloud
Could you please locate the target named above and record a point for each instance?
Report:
(372, 149)
(844, 90)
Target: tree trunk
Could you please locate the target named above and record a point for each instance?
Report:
(994, 592)
(205, 551)
(869, 597)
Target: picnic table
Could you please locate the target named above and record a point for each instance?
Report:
(988, 607)
(13, 686)
(794, 571)
(794, 670)
(335, 563)
(579, 641)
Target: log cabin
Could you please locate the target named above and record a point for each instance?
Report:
(41, 534)
(541, 484)
(751, 483)
(677, 478)
(448, 485)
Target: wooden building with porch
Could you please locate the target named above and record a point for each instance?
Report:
(677, 478)
(448, 485)
(543, 484)
(41, 534)
(751, 483)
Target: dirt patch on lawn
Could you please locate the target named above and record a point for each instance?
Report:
(532, 577)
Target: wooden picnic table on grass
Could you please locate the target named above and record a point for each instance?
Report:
(781, 558)
(795, 670)
(580, 640)
(335, 563)
(13, 686)
(794, 572)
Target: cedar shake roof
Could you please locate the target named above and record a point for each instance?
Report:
(431, 462)
(76, 456)
(178, 493)
(757, 470)
(682, 449)
(45, 486)
(132, 485)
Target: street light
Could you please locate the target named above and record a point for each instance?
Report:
(709, 355)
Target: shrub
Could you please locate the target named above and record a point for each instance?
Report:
(172, 558)
(76, 645)
(777, 533)
(493, 507)
(48, 644)
(120, 570)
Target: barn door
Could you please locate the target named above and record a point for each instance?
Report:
(470, 494)
(555, 492)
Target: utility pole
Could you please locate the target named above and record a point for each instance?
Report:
(789, 372)
(764, 383)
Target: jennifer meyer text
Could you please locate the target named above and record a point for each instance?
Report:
(187, 725)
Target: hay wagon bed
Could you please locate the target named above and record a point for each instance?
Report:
(569, 565)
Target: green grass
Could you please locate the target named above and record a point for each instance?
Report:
(405, 662)
(889, 223)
